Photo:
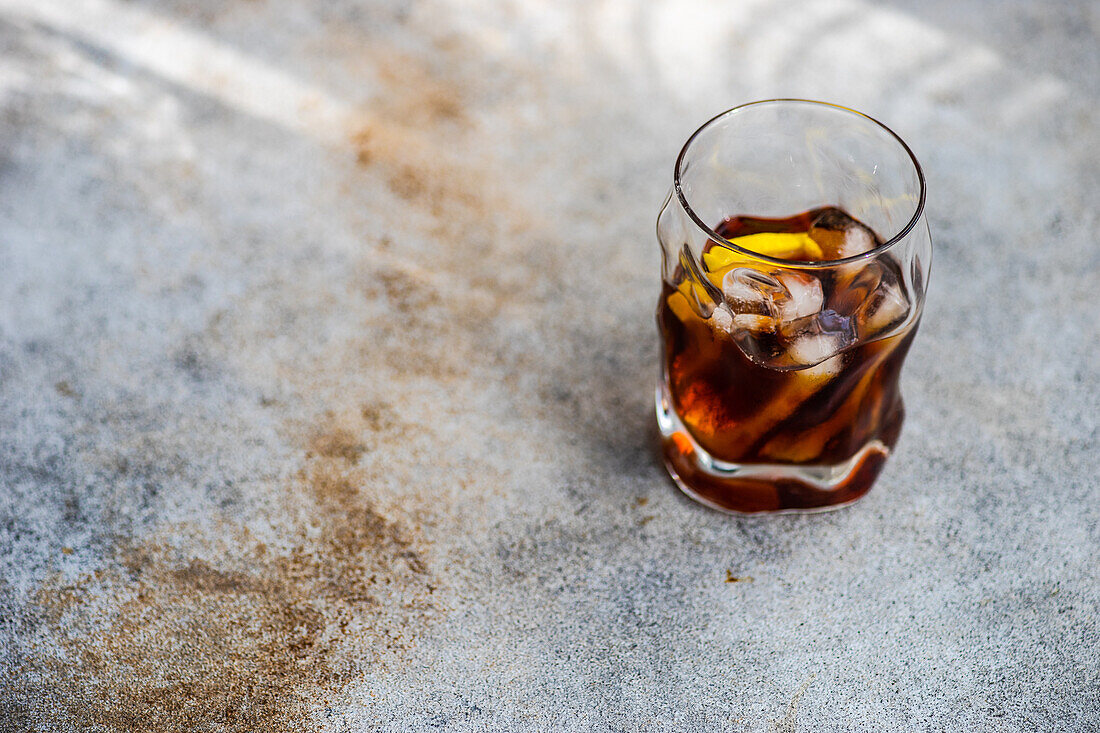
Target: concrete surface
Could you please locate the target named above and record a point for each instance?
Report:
(326, 353)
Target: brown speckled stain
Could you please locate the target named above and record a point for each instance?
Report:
(221, 630)
(246, 638)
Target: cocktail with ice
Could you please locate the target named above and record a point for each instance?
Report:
(784, 335)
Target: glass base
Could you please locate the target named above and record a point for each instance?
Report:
(741, 488)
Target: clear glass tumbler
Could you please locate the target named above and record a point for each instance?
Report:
(795, 264)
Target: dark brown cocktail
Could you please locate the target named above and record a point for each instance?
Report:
(767, 365)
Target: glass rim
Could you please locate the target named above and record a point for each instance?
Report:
(869, 254)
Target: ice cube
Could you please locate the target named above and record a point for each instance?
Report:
(814, 338)
(766, 305)
(885, 308)
(840, 236)
(784, 295)
(753, 322)
(721, 319)
(752, 292)
(854, 283)
(813, 349)
(826, 321)
(802, 296)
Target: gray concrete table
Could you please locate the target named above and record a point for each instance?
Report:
(326, 357)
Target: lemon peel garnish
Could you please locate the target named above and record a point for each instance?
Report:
(719, 260)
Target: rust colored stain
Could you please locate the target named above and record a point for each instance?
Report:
(415, 169)
(338, 443)
(409, 132)
(245, 638)
(419, 94)
(215, 629)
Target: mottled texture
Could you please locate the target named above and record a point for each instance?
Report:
(327, 353)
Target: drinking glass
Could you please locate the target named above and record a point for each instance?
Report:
(795, 259)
